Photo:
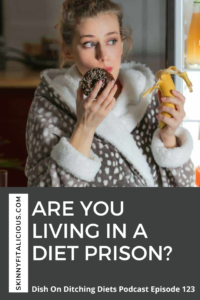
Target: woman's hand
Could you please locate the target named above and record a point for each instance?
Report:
(177, 113)
(91, 112)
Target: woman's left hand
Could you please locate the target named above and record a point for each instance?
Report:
(177, 113)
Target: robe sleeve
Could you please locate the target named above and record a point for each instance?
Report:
(175, 165)
(52, 161)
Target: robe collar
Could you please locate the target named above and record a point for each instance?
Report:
(129, 110)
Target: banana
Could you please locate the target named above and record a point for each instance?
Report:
(165, 84)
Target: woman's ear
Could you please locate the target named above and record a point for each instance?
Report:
(67, 52)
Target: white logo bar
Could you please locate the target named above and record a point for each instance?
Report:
(18, 243)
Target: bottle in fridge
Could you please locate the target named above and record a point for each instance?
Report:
(193, 40)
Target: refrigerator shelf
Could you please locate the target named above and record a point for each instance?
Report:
(191, 70)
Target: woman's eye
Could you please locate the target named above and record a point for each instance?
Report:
(88, 44)
(114, 40)
(85, 44)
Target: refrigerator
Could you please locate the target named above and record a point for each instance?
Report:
(179, 19)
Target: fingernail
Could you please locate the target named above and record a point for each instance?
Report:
(100, 82)
(173, 91)
(112, 82)
(164, 98)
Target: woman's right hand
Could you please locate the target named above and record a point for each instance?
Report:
(91, 112)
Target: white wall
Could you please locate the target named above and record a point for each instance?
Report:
(28, 20)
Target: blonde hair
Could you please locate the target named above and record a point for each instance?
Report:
(73, 11)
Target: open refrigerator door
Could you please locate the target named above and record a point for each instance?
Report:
(187, 58)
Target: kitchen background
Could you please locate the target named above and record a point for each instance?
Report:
(28, 21)
(28, 26)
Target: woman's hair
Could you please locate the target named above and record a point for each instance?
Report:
(73, 11)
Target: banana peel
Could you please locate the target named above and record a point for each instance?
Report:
(165, 84)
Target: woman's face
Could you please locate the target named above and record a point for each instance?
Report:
(97, 44)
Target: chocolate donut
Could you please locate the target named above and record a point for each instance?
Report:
(92, 76)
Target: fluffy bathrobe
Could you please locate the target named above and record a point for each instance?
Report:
(126, 151)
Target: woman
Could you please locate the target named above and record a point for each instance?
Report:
(111, 140)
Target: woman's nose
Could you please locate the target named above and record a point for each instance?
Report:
(101, 54)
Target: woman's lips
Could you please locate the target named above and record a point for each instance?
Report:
(109, 69)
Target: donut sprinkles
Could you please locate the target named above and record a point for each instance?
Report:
(92, 77)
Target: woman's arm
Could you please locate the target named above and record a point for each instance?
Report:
(52, 160)
(171, 165)
(81, 139)
(90, 113)
(172, 155)
(169, 142)
(177, 113)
